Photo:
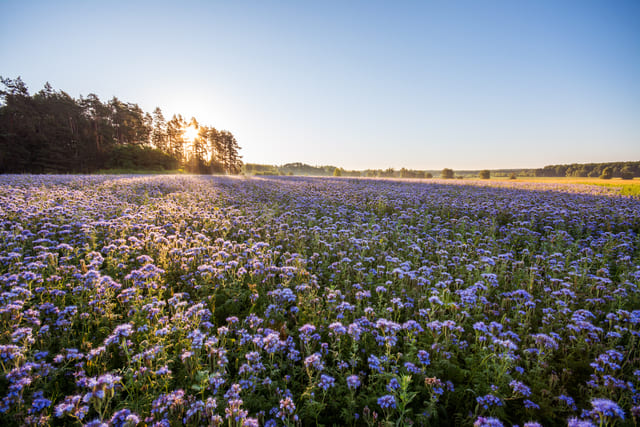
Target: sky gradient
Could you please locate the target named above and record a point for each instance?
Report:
(356, 84)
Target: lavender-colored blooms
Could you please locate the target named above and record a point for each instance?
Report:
(576, 422)
(605, 408)
(171, 288)
(353, 381)
(387, 401)
(519, 388)
(121, 331)
(326, 382)
(487, 422)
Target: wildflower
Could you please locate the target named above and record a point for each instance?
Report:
(568, 400)
(353, 381)
(233, 392)
(487, 422)
(489, 400)
(423, 357)
(272, 343)
(252, 356)
(354, 330)
(575, 422)
(39, 402)
(287, 407)
(374, 363)
(314, 361)
(121, 331)
(412, 325)
(411, 368)
(326, 382)
(124, 418)
(393, 385)
(338, 328)
(96, 423)
(163, 370)
(234, 410)
(605, 408)
(520, 388)
(435, 300)
(387, 401)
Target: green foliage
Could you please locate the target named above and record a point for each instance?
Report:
(447, 173)
(139, 158)
(51, 132)
(591, 170)
(626, 173)
(257, 169)
(337, 172)
(484, 174)
(407, 173)
(607, 173)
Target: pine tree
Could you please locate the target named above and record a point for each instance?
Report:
(175, 139)
(159, 138)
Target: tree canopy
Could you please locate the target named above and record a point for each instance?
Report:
(615, 170)
(447, 173)
(51, 132)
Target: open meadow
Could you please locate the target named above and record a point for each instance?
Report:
(626, 187)
(201, 300)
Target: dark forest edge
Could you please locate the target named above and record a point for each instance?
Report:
(51, 132)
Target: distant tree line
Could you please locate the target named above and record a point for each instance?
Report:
(302, 169)
(626, 170)
(51, 132)
(299, 169)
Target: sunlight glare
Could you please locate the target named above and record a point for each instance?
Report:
(190, 133)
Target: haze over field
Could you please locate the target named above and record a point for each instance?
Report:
(359, 85)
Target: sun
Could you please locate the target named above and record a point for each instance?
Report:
(190, 133)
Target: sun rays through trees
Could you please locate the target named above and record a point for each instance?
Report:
(51, 132)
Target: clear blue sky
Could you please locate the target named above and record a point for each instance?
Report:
(357, 84)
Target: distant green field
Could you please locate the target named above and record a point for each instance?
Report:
(627, 187)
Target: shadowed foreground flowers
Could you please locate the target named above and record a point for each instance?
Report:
(182, 300)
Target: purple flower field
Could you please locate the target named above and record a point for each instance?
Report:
(188, 300)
